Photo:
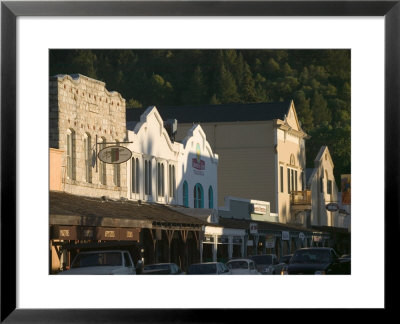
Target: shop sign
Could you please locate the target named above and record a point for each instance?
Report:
(129, 234)
(285, 236)
(259, 209)
(197, 163)
(114, 154)
(317, 237)
(302, 236)
(270, 241)
(250, 243)
(332, 207)
(253, 228)
(64, 232)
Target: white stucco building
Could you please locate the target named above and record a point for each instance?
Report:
(164, 171)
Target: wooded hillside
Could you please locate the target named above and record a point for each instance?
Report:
(317, 80)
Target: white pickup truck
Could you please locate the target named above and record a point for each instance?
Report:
(107, 262)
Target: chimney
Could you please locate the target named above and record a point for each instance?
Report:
(171, 125)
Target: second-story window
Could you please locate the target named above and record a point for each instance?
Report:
(185, 194)
(329, 187)
(198, 196)
(281, 175)
(160, 179)
(210, 198)
(117, 172)
(71, 154)
(147, 177)
(88, 157)
(135, 175)
(102, 165)
(172, 181)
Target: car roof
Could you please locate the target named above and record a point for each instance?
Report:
(247, 260)
(151, 264)
(205, 263)
(315, 248)
(101, 251)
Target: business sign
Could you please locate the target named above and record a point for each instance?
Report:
(285, 236)
(114, 154)
(346, 189)
(270, 241)
(253, 228)
(197, 163)
(259, 209)
(302, 236)
(332, 207)
(317, 237)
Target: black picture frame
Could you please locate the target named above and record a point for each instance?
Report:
(11, 10)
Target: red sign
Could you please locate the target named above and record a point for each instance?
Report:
(199, 165)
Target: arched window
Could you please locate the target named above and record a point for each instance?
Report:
(103, 166)
(198, 196)
(71, 154)
(210, 198)
(185, 194)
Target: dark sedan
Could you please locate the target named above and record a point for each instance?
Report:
(314, 261)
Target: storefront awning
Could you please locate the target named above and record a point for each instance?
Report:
(66, 209)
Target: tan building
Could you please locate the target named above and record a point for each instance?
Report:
(321, 182)
(83, 111)
(261, 150)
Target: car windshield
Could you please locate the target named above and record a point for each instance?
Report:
(238, 264)
(311, 256)
(157, 267)
(262, 259)
(202, 269)
(97, 259)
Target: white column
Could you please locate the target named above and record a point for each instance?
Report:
(215, 247)
(230, 247)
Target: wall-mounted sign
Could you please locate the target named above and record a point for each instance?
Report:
(332, 207)
(197, 163)
(253, 228)
(270, 241)
(302, 236)
(259, 209)
(114, 154)
(285, 236)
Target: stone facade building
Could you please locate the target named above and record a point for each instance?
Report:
(82, 111)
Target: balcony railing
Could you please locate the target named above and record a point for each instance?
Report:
(300, 197)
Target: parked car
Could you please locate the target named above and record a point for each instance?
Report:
(109, 262)
(345, 261)
(208, 268)
(162, 268)
(242, 266)
(317, 261)
(284, 260)
(265, 263)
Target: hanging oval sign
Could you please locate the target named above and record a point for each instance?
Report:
(332, 207)
(114, 154)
